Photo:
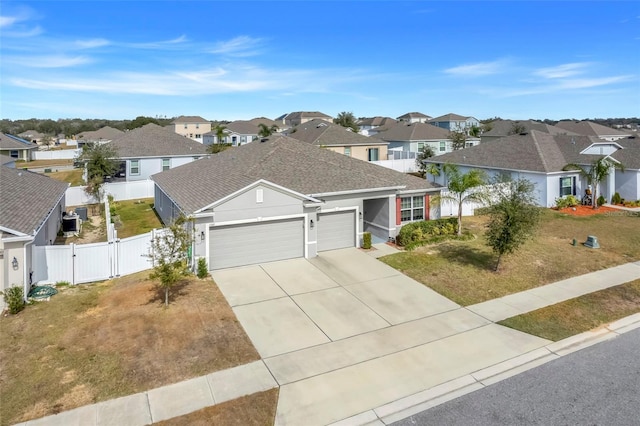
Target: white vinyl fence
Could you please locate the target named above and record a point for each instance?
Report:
(84, 263)
(63, 154)
(401, 165)
(75, 195)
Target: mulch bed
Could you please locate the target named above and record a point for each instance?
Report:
(585, 210)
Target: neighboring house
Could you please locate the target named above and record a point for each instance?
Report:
(455, 122)
(541, 158)
(501, 128)
(589, 128)
(413, 137)
(236, 133)
(266, 121)
(32, 136)
(104, 134)
(293, 119)
(151, 149)
(375, 125)
(7, 161)
(16, 148)
(414, 117)
(279, 198)
(31, 211)
(192, 127)
(341, 140)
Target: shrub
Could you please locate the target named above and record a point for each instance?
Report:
(567, 201)
(601, 200)
(14, 298)
(366, 240)
(616, 199)
(416, 234)
(202, 270)
(63, 284)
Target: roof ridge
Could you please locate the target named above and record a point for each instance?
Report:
(538, 149)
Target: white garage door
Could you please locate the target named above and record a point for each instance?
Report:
(336, 230)
(247, 244)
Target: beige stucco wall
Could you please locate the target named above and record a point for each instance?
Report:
(192, 129)
(9, 276)
(362, 152)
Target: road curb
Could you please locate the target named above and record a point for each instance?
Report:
(413, 404)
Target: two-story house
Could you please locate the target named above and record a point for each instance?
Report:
(455, 122)
(192, 127)
(414, 117)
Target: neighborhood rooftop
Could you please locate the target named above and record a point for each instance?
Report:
(14, 142)
(26, 199)
(152, 140)
(284, 161)
(321, 133)
(413, 131)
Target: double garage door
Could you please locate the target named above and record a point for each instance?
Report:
(248, 244)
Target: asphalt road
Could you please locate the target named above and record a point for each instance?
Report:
(599, 385)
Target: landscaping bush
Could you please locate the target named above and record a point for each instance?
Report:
(366, 240)
(616, 199)
(202, 270)
(567, 201)
(601, 200)
(416, 234)
(14, 298)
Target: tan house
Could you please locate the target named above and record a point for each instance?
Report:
(193, 127)
(341, 140)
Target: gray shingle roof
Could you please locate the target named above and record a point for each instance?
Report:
(189, 119)
(242, 127)
(14, 142)
(535, 151)
(105, 133)
(504, 128)
(152, 140)
(26, 198)
(450, 117)
(413, 115)
(377, 121)
(263, 120)
(413, 132)
(590, 128)
(293, 164)
(321, 133)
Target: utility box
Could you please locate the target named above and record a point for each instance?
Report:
(592, 242)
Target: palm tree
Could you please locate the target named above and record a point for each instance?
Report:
(348, 120)
(462, 188)
(220, 132)
(433, 169)
(266, 131)
(595, 173)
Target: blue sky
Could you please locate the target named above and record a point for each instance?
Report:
(239, 60)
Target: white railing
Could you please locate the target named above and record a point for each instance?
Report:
(83, 263)
(404, 166)
(75, 195)
(401, 155)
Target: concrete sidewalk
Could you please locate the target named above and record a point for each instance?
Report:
(378, 376)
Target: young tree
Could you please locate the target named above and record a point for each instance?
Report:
(423, 154)
(100, 160)
(595, 173)
(462, 188)
(458, 139)
(517, 128)
(219, 130)
(348, 120)
(171, 255)
(513, 216)
(266, 131)
(434, 170)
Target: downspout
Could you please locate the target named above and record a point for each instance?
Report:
(26, 280)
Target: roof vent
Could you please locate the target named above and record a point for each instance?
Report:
(523, 133)
(264, 139)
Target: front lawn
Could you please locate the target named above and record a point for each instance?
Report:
(463, 270)
(95, 342)
(559, 321)
(74, 177)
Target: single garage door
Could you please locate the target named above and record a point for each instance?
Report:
(247, 244)
(336, 230)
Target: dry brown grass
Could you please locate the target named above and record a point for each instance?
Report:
(258, 409)
(43, 163)
(74, 177)
(463, 270)
(581, 314)
(96, 342)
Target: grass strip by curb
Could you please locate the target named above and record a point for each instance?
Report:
(574, 316)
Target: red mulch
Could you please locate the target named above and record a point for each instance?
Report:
(586, 210)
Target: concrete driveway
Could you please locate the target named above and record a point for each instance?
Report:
(298, 303)
(344, 333)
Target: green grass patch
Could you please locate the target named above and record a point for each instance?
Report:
(463, 270)
(136, 217)
(581, 314)
(74, 177)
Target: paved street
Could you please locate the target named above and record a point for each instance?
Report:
(599, 385)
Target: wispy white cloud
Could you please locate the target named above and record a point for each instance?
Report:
(557, 86)
(159, 44)
(563, 71)
(48, 61)
(478, 69)
(238, 46)
(92, 43)
(6, 21)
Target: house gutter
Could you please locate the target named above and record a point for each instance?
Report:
(357, 191)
